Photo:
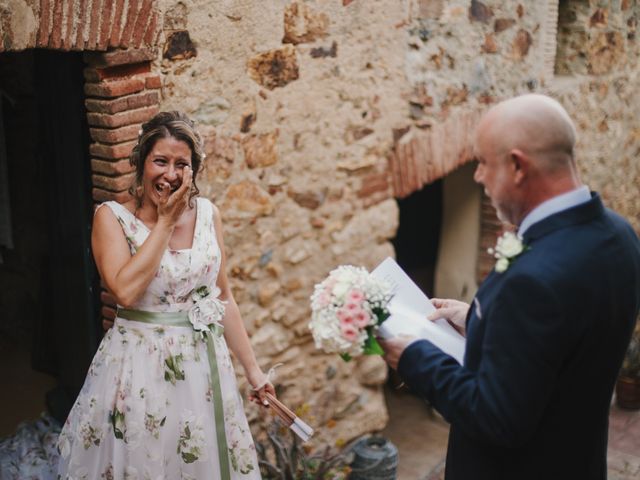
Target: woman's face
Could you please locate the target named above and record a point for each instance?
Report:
(164, 168)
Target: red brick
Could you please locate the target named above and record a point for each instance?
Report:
(82, 23)
(151, 34)
(132, 14)
(45, 19)
(114, 135)
(120, 183)
(130, 102)
(106, 167)
(66, 41)
(92, 74)
(107, 299)
(117, 24)
(119, 57)
(111, 152)
(94, 24)
(374, 183)
(100, 195)
(141, 23)
(55, 40)
(104, 30)
(114, 88)
(153, 82)
(123, 118)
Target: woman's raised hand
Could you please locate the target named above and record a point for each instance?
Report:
(171, 205)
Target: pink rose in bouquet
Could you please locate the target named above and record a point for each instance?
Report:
(347, 309)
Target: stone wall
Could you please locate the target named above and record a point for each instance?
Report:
(297, 101)
(317, 113)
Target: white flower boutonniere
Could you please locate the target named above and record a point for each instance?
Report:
(507, 249)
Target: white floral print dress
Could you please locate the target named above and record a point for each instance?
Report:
(146, 410)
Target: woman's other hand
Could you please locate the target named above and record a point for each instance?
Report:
(261, 385)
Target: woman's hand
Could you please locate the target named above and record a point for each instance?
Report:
(260, 386)
(171, 205)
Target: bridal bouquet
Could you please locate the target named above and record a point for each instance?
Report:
(346, 310)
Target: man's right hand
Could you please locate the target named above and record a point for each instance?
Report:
(453, 311)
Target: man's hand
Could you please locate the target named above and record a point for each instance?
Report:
(453, 311)
(393, 349)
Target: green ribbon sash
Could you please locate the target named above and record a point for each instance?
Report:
(181, 319)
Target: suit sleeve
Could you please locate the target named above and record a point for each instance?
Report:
(525, 341)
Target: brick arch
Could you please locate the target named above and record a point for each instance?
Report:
(82, 25)
(420, 157)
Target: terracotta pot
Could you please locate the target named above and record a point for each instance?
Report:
(628, 393)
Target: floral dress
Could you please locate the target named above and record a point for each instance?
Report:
(147, 409)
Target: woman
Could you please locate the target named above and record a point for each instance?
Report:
(160, 399)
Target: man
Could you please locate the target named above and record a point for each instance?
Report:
(547, 330)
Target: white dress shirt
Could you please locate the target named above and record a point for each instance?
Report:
(554, 205)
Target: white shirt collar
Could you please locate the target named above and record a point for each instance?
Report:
(555, 205)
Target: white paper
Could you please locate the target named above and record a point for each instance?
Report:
(409, 309)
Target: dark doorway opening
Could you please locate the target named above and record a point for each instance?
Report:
(49, 285)
(418, 236)
(417, 244)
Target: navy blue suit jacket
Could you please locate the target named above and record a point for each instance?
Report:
(545, 341)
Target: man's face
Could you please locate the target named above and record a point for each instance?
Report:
(496, 174)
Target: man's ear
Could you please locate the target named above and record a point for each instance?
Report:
(520, 164)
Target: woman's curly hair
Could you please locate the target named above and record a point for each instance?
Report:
(164, 125)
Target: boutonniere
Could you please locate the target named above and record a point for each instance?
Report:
(507, 249)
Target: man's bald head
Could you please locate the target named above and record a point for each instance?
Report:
(536, 124)
(524, 147)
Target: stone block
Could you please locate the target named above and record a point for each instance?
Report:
(479, 12)
(502, 24)
(245, 198)
(430, 8)
(521, 44)
(489, 45)
(303, 25)
(274, 68)
(310, 199)
(605, 52)
(260, 149)
(179, 46)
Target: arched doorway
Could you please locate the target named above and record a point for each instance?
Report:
(438, 246)
(50, 289)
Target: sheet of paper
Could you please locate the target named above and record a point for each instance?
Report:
(409, 309)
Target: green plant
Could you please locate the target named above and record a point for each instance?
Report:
(282, 457)
(631, 364)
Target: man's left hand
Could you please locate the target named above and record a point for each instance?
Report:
(393, 348)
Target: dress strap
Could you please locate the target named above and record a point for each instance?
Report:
(130, 224)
